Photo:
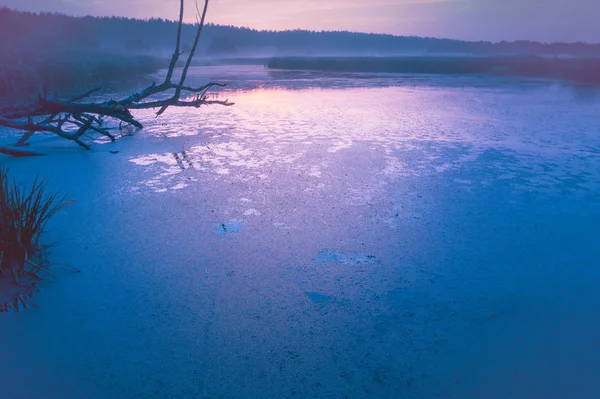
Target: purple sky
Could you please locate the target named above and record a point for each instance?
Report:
(495, 20)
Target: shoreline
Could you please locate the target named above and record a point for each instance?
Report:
(577, 70)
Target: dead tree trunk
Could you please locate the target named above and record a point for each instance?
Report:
(74, 119)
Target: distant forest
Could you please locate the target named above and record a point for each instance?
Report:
(155, 36)
(61, 52)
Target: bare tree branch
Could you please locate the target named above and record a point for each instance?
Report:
(71, 119)
(86, 94)
(177, 53)
(177, 94)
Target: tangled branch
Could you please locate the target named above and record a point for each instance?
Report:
(73, 119)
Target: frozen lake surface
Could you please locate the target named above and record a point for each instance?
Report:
(329, 236)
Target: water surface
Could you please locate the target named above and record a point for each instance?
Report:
(329, 236)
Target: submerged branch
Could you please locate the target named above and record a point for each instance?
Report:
(13, 152)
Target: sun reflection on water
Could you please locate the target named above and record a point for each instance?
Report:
(393, 132)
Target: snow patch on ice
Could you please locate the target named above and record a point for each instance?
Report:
(234, 226)
(252, 212)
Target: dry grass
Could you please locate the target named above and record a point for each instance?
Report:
(24, 213)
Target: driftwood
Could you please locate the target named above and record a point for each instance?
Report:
(73, 119)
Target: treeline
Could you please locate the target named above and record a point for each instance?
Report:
(583, 70)
(59, 54)
(155, 36)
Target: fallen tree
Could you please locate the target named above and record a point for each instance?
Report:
(74, 119)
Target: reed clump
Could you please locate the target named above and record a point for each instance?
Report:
(24, 214)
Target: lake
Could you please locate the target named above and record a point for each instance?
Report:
(329, 236)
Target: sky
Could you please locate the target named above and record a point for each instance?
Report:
(490, 20)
